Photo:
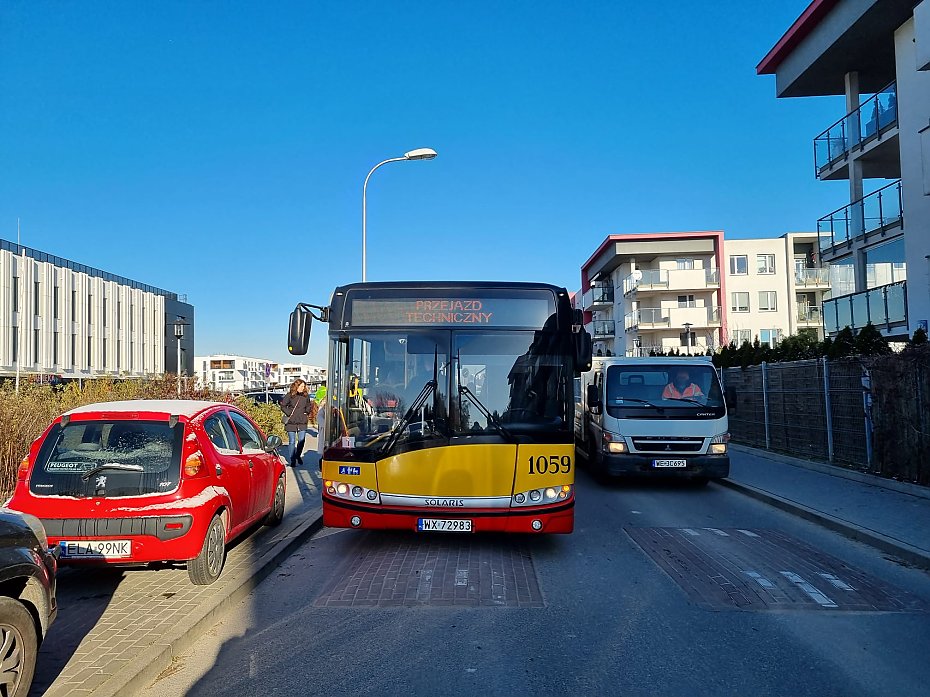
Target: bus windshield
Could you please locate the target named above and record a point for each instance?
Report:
(663, 387)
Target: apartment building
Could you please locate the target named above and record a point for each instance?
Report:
(695, 291)
(876, 53)
(234, 373)
(69, 320)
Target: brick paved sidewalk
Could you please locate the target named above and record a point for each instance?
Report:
(115, 629)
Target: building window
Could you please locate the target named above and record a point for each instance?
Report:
(73, 304)
(55, 302)
(103, 362)
(119, 314)
(225, 376)
(765, 263)
(686, 301)
(74, 351)
(104, 312)
(89, 347)
(770, 336)
(221, 365)
(687, 339)
(132, 317)
(739, 265)
(739, 302)
(741, 336)
(55, 348)
(767, 301)
(684, 264)
(35, 347)
(15, 293)
(38, 298)
(15, 344)
(90, 309)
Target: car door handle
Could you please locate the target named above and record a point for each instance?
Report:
(251, 464)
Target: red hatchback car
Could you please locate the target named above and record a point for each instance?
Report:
(147, 481)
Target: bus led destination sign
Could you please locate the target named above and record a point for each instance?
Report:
(451, 312)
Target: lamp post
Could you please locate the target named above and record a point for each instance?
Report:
(418, 154)
(178, 335)
(687, 326)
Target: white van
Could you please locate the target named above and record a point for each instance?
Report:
(652, 416)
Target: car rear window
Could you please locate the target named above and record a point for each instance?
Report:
(108, 459)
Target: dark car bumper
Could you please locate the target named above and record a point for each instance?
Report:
(698, 466)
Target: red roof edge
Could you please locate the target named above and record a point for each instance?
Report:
(798, 31)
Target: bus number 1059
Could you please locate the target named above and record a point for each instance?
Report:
(552, 464)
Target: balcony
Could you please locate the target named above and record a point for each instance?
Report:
(876, 213)
(603, 329)
(812, 278)
(810, 314)
(859, 129)
(647, 280)
(602, 297)
(885, 307)
(647, 318)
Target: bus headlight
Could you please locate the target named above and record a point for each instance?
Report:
(535, 497)
(718, 444)
(350, 491)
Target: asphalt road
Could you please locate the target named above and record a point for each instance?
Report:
(661, 590)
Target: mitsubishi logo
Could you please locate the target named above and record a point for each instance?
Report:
(668, 446)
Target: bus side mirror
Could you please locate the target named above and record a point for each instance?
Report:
(584, 351)
(730, 398)
(298, 331)
(594, 399)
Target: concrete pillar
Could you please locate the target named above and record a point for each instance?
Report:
(856, 223)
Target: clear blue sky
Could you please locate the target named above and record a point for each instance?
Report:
(218, 149)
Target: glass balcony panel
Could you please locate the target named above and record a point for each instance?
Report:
(712, 277)
(860, 310)
(831, 145)
(879, 209)
(654, 277)
(653, 315)
(604, 328)
(602, 295)
(897, 302)
(844, 313)
(875, 114)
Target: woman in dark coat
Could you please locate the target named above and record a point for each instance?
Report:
(295, 408)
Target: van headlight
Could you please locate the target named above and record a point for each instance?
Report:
(614, 443)
(718, 444)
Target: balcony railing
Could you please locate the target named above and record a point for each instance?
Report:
(603, 328)
(877, 211)
(712, 277)
(804, 278)
(882, 306)
(602, 295)
(662, 317)
(858, 127)
(809, 314)
(650, 279)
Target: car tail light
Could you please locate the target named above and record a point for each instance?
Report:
(193, 465)
(22, 474)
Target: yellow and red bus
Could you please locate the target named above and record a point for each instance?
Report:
(449, 405)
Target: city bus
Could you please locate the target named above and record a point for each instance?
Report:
(449, 406)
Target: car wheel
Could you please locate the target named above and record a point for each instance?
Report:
(206, 567)
(276, 514)
(19, 643)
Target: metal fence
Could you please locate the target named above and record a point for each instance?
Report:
(870, 414)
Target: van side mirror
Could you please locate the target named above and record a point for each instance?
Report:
(730, 398)
(594, 399)
(298, 331)
(584, 351)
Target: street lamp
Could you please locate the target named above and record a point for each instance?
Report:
(178, 334)
(418, 154)
(687, 326)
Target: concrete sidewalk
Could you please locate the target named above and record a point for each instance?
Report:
(118, 629)
(891, 516)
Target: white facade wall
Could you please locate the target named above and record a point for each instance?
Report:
(77, 325)
(311, 374)
(233, 373)
(756, 321)
(914, 140)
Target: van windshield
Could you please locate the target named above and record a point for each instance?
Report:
(108, 459)
(663, 387)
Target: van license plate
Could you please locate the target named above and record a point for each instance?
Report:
(669, 463)
(95, 549)
(442, 525)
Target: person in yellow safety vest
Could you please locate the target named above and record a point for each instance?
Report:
(681, 386)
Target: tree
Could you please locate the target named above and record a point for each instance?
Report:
(870, 342)
(919, 338)
(843, 345)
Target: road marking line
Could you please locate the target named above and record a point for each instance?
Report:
(693, 533)
(833, 580)
(815, 594)
(749, 533)
(461, 577)
(425, 585)
(760, 579)
(718, 532)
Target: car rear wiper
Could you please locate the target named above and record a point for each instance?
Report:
(493, 420)
(418, 403)
(111, 466)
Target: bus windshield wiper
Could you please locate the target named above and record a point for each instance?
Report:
(493, 420)
(111, 466)
(418, 403)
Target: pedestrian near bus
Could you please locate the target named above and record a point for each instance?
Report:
(295, 413)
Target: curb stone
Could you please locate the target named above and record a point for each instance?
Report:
(908, 553)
